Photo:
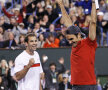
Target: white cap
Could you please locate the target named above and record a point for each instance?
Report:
(49, 6)
(16, 9)
(21, 24)
(100, 13)
(65, 76)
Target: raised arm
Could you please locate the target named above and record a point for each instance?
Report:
(4, 10)
(66, 18)
(92, 27)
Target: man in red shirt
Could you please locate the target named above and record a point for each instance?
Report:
(83, 52)
(17, 15)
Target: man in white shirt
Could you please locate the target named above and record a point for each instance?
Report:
(28, 69)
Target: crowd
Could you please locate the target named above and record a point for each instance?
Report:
(44, 18)
(57, 77)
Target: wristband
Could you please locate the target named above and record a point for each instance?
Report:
(97, 4)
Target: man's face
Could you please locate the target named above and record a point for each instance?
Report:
(73, 39)
(16, 12)
(32, 43)
(37, 25)
(51, 38)
(12, 21)
(11, 36)
(2, 20)
(52, 67)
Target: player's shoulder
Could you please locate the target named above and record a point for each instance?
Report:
(36, 53)
(21, 55)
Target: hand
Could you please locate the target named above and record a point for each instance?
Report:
(25, 3)
(24, 14)
(59, 1)
(2, 4)
(31, 62)
(44, 58)
(48, 41)
(33, 6)
(61, 60)
(67, 71)
(42, 76)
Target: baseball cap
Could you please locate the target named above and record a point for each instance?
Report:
(100, 13)
(65, 76)
(21, 24)
(49, 6)
(74, 30)
(16, 9)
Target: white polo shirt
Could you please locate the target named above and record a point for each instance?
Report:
(31, 81)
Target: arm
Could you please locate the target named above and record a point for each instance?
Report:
(92, 27)
(4, 10)
(40, 86)
(66, 18)
(21, 30)
(21, 74)
(41, 78)
(62, 69)
(6, 13)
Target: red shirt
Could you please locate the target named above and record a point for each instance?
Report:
(19, 18)
(82, 63)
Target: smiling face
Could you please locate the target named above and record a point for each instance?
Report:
(73, 39)
(31, 44)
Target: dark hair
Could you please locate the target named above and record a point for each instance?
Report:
(51, 64)
(29, 35)
(75, 30)
(50, 35)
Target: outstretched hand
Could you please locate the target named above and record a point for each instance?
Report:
(2, 4)
(59, 1)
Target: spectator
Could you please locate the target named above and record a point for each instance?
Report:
(40, 11)
(12, 85)
(41, 41)
(86, 5)
(63, 41)
(51, 74)
(4, 68)
(103, 6)
(3, 84)
(85, 25)
(81, 16)
(98, 84)
(44, 22)
(1, 33)
(65, 84)
(49, 11)
(3, 23)
(51, 42)
(18, 16)
(74, 20)
(102, 24)
(37, 29)
(50, 31)
(10, 43)
(30, 22)
(18, 30)
(21, 44)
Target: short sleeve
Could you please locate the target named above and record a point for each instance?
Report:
(18, 65)
(41, 70)
(91, 43)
